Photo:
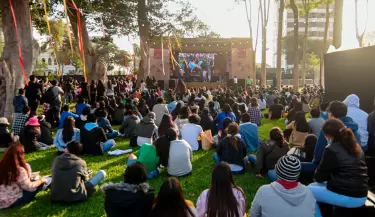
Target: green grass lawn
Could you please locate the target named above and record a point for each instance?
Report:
(115, 167)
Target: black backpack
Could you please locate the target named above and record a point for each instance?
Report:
(48, 96)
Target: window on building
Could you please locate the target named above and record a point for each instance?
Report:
(49, 61)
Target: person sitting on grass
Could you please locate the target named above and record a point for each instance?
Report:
(93, 138)
(182, 117)
(66, 135)
(146, 130)
(276, 110)
(337, 110)
(70, 176)
(6, 138)
(232, 149)
(306, 152)
(207, 122)
(180, 155)
(128, 126)
(132, 197)
(222, 133)
(289, 197)
(226, 113)
(165, 124)
(254, 112)
(30, 135)
(16, 186)
(269, 152)
(171, 201)
(316, 122)
(160, 109)
(323, 110)
(66, 113)
(191, 131)
(80, 105)
(224, 197)
(104, 123)
(249, 133)
(341, 177)
(20, 121)
(148, 157)
(82, 120)
(299, 129)
(45, 131)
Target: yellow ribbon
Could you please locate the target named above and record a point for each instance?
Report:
(170, 50)
(50, 37)
(179, 46)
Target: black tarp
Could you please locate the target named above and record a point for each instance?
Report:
(351, 72)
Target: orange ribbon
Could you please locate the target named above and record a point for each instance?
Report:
(68, 27)
(19, 44)
(50, 37)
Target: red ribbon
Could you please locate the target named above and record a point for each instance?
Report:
(19, 44)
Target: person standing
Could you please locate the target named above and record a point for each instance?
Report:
(55, 103)
(235, 82)
(249, 81)
(33, 92)
(19, 102)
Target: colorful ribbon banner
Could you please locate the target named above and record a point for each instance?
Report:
(162, 54)
(50, 37)
(179, 46)
(80, 40)
(170, 50)
(19, 43)
(68, 28)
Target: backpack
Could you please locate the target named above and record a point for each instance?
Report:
(48, 96)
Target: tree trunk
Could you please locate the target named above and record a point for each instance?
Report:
(304, 52)
(280, 44)
(96, 67)
(264, 56)
(296, 59)
(143, 36)
(11, 76)
(326, 26)
(337, 24)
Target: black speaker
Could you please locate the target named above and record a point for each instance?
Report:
(242, 83)
(172, 84)
(230, 83)
(161, 84)
(214, 78)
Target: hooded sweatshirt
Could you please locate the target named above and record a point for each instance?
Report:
(295, 202)
(359, 116)
(322, 141)
(128, 125)
(146, 128)
(69, 178)
(92, 138)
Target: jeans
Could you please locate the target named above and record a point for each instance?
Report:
(253, 159)
(68, 98)
(217, 161)
(272, 175)
(94, 181)
(27, 197)
(108, 145)
(112, 135)
(323, 195)
(150, 175)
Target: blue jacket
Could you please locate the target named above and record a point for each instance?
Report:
(249, 133)
(65, 115)
(322, 141)
(221, 116)
(80, 107)
(105, 124)
(324, 115)
(359, 116)
(172, 106)
(19, 102)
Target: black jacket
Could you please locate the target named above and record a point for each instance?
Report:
(92, 139)
(123, 199)
(268, 154)
(345, 174)
(207, 123)
(128, 126)
(69, 175)
(29, 138)
(227, 153)
(371, 124)
(46, 133)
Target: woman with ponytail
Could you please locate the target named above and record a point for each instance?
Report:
(232, 149)
(342, 173)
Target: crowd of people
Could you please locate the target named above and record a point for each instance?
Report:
(168, 126)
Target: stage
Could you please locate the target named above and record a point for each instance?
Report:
(205, 84)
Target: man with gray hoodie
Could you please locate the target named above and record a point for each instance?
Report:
(70, 182)
(286, 196)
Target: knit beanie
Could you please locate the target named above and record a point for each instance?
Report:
(288, 168)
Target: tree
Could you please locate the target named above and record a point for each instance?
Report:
(280, 43)
(326, 26)
(40, 68)
(358, 35)
(294, 8)
(11, 76)
(337, 23)
(307, 6)
(265, 11)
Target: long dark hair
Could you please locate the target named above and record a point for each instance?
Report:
(12, 159)
(277, 135)
(343, 135)
(301, 123)
(165, 124)
(170, 201)
(220, 200)
(68, 129)
(232, 130)
(184, 112)
(309, 147)
(227, 109)
(163, 144)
